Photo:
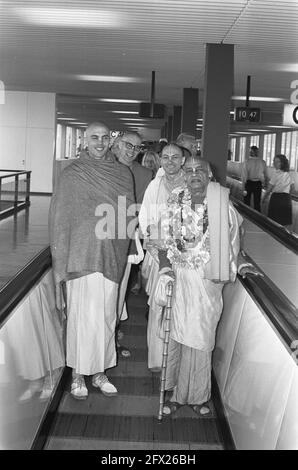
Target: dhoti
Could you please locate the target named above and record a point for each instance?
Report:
(91, 321)
(188, 374)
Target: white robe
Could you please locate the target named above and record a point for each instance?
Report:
(91, 321)
(154, 202)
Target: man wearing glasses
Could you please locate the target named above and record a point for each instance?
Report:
(126, 149)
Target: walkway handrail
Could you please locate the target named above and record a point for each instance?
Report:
(281, 312)
(12, 293)
(278, 232)
(294, 195)
(14, 173)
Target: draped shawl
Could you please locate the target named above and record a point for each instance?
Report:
(77, 217)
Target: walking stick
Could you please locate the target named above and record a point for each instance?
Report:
(168, 310)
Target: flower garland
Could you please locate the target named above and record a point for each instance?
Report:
(186, 231)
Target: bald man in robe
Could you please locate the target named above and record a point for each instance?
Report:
(89, 256)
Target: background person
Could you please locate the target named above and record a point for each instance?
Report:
(155, 199)
(254, 177)
(279, 186)
(188, 141)
(126, 148)
(151, 160)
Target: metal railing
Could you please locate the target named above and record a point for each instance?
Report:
(14, 191)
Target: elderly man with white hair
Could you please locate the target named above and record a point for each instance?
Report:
(198, 244)
(188, 141)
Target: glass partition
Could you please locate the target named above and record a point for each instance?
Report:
(31, 362)
(257, 375)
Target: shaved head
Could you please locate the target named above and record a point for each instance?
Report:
(98, 139)
(93, 125)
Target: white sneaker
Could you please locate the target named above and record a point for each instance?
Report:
(78, 388)
(101, 381)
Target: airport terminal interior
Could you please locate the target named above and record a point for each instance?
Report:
(223, 72)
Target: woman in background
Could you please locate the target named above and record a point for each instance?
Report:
(280, 204)
(151, 160)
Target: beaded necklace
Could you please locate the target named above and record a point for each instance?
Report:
(186, 231)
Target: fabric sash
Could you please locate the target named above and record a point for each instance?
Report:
(86, 205)
(218, 269)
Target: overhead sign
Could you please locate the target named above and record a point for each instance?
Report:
(290, 115)
(247, 114)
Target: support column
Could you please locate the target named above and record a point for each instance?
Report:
(73, 142)
(237, 150)
(63, 142)
(190, 110)
(177, 121)
(162, 132)
(219, 77)
(166, 129)
(277, 143)
(170, 128)
(261, 145)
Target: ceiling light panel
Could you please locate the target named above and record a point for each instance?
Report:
(125, 112)
(118, 100)
(72, 17)
(109, 78)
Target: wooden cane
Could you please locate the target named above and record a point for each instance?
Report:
(168, 310)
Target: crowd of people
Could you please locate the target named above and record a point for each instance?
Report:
(107, 211)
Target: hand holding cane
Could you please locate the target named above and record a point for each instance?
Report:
(168, 309)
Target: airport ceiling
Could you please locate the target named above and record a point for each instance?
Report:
(89, 50)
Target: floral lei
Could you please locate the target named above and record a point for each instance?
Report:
(182, 230)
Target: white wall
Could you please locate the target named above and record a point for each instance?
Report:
(27, 135)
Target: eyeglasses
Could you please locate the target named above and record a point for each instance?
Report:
(129, 146)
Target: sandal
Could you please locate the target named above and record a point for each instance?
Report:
(201, 410)
(123, 351)
(170, 407)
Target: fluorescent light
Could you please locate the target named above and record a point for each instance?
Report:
(285, 68)
(125, 112)
(109, 78)
(136, 125)
(232, 112)
(200, 119)
(131, 119)
(116, 100)
(72, 17)
(85, 123)
(66, 119)
(259, 98)
(257, 130)
(240, 132)
(280, 127)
